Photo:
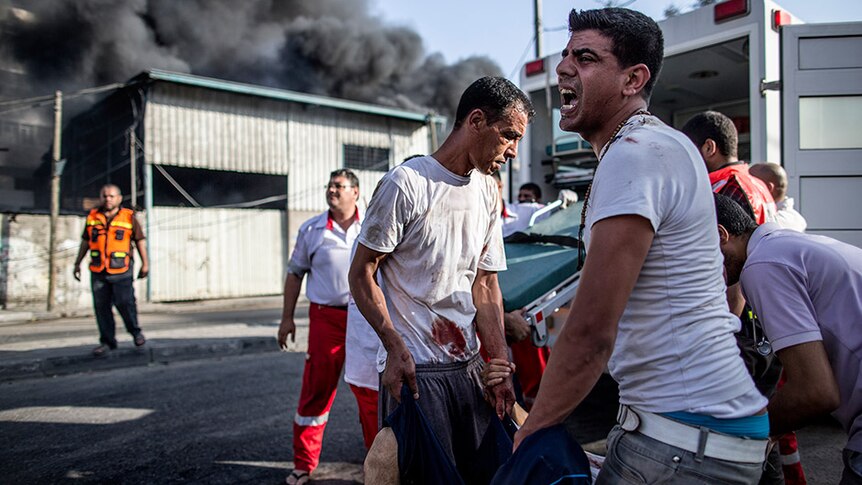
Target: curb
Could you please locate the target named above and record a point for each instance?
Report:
(81, 361)
(15, 318)
(31, 314)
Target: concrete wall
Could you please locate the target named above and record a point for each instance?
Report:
(24, 264)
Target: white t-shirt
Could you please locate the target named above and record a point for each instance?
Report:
(361, 345)
(439, 228)
(675, 349)
(523, 212)
(511, 222)
(788, 218)
(323, 251)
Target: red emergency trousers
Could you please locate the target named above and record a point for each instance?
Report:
(366, 399)
(791, 465)
(530, 362)
(323, 364)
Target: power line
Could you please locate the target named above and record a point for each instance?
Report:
(72, 95)
(523, 56)
(530, 45)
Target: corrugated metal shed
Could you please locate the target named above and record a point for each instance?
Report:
(202, 128)
(215, 253)
(203, 123)
(209, 124)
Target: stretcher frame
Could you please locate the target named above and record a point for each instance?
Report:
(538, 310)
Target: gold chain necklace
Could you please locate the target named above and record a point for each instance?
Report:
(605, 149)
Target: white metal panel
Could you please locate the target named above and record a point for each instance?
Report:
(215, 253)
(316, 142)
(313, 154)
(826, 181)
(354, 130)
(849, 237)
(202, 128)
(825, 195)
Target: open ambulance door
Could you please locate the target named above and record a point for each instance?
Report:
(821, 75)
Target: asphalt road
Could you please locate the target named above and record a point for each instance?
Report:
(213, 421)
(221, 421)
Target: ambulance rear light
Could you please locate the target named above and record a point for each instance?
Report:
(731, 9)
(534, 67)
(779, 18)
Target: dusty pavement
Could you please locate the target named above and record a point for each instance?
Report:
(34, 344)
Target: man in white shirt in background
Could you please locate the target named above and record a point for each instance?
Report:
(322, 251)
(529, 202)
(775, 178)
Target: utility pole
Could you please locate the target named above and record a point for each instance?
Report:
(55, 198)
(133, 161)
(537, 15)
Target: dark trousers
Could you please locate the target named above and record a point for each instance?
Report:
(114, 290)
(450, 396)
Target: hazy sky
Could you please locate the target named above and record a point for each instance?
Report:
(502, 29)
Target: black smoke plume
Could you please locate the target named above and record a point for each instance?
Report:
(330, 47)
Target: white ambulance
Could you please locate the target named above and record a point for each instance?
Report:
(794, 91)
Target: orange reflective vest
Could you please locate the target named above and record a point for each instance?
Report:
(110, 245)
(755, 190)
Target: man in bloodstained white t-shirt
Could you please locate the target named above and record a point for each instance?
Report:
(432, 229)
(322, 251)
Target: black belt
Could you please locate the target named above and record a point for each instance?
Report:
(334, 307)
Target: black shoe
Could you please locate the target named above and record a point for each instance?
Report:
(101, 350)
(140, 340)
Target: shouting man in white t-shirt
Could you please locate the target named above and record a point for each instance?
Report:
(650, 305)
(433, 230)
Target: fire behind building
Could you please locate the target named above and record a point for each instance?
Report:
(330, 48)
(223, 173)
(324, 47)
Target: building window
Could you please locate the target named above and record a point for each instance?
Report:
(358, 157)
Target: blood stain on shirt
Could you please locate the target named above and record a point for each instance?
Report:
(449, 336)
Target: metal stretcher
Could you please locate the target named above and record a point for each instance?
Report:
(542, 270)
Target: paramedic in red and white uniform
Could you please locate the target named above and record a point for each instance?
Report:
(322, 251)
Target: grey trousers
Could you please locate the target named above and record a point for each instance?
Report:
(450, 396)
(635, 458)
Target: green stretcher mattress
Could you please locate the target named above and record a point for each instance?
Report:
(535, 268)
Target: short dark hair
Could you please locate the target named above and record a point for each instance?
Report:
(535, 189)
(636, 38)
(495, 96)
(715, 126)
(732, 216)
(348, 174)
(111, 186)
